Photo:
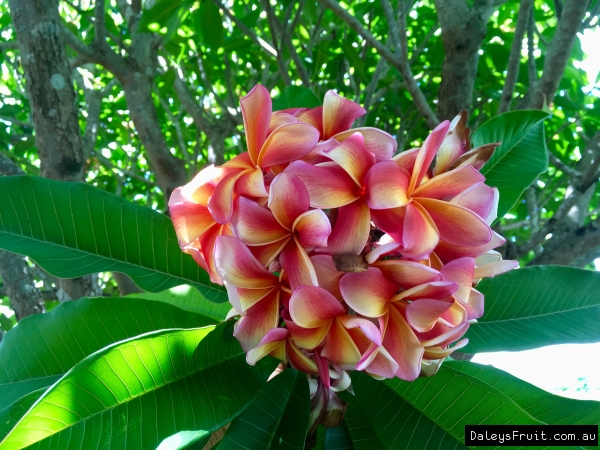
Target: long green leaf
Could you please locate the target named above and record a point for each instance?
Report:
(73, 229)
(548, 408)
(396, 423)
(43, 347)
(338, 438)
(521, 156)
(278, 417)
(188, 298)
(10, 415)
(296, 97)
(139, 391)
(536, 306)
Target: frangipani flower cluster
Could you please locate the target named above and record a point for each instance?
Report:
(338, 255)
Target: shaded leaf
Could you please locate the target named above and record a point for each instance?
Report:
(296, 97)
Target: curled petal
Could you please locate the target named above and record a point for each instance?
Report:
(407, 159)
(439, 352)
(492, 269)
(338, 114)
(442, 335)
(327, 274)
(307, 338)
(457, 225)
(368, 328)
(255, 225)
(460, 271)
(313, 228)
(316, 155)
(272, 344)
(377, 361)
(475, 305)
(249, 297)
(297, 265)
(339, 347)
(220, 204)
(299, 360)
(420, 235)
(201, 187)
(313, 116)
(382, 250)
(448, 252)
(436, 290)
(481, 199)
(367, 292)
(455, 144)
(252, 184)
(427, 153)
(257, 321)
(386, 184)
(267, 253)
(456, 315)
(353, 157)
(241, 161)
(449, 184)
(238, 267)
(328, 186)
(288, 198)
(190, 221)
(351, 230)
(256, 110)
(402, 344)
(312, 307)
(390, 221)
(423, 314)
(280, 118)
(288, 143)
(407, 274)
(476, 157)
(376, 141)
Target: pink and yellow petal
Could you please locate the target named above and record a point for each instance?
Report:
(436, 290)
(455, 144)
(481, 199)
(190, 220)
(386, 185)
(312, 307)
(367, 292)
(338, 114)
(423, 314)
(448, 252)
(449, 184)
(402, 344)
(272, 344)
(351, 230)
(220, 203)
(313, 228)
(327, 274)
(257, 321)
(314, 117)
(255, 225)
(376, 141)
(407, 274)
(339, 347)
(252, 184)
(420, 234)
(427, 153)
(297, 265)
(353, 157)
(288, 198)
(256, 111)
(288, 143)
(280, 118)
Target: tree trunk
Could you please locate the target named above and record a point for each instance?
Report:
(125, 285)
(463, 30)
(25, 298)
(52, 98)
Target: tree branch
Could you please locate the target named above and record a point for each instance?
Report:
(395, 60)
(283, 71)
(531, 69)
(514, 60)
(99, 25)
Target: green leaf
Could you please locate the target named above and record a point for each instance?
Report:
(277, 418)
(10, 415)
(548, 408)
(159, 14)
(537, 306)
(387, 420)
(43, 347)
(209, 24)
(185, 439)
(521, 157)
(338, 438)
(5, 323)
(137, 392)
(72, 229)
(296, 97)
(188, 298)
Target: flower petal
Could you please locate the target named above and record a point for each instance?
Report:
(351, 230)
(442, 335)
(407, 274)
(252, 184)
(439, 352)
(420, 235)
(220, 203)
(256, 111)
(299, 360)
(367, 292)
(448, 252)
(316, 155)
(276, 337)
(312, 307)
(492, 269)
(402, 344)
(280, 118)
(314, 117)
(455, 144)
(449, 184)
(457, 225)
(297, 265)
(352, 155)
(201, 187)
(327, 274)
(382, 250)
(427, 153)
(378, 142)
(288, 198)
(238, 267)
(476, 157)
(257, 321)
(381, 365)
(246, 298)
(307, 338)
(436, 290)
(481, 199)
(386, 184)
(338, 114)
(190, 220)
(423, 314)
(328, 186)
(288, 143)
(255, 225)
(390, 221)
(339, 347)
(266, 254)
(313, 228)
(460, 271)
(368, 328)
(407, 159)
